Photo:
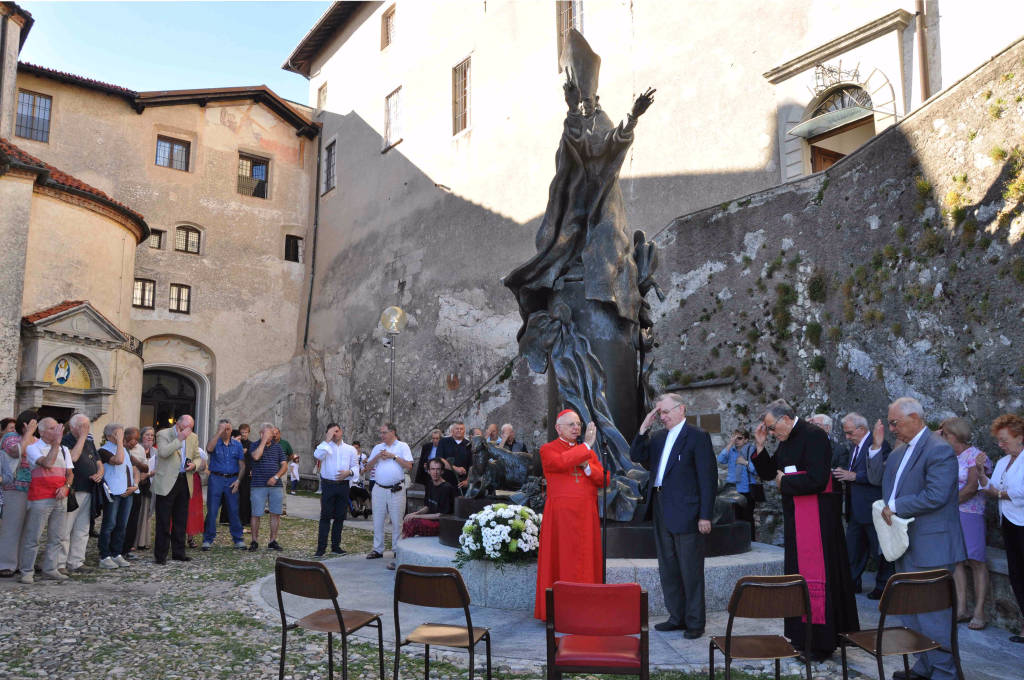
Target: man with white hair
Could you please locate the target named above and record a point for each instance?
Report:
(178, 456)
(88, 473)
(508, 439)
(840, 449)
(570, 535)
(919, 481)
(52, 475)
(861, 493)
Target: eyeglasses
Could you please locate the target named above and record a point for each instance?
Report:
(894, 423)
(665, 412)
(771, 428)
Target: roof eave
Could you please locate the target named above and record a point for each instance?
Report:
(330, 22)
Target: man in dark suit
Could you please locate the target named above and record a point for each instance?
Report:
(682, 497)
(457, 454)
(430, 450)
(919, 480)
(861, 539)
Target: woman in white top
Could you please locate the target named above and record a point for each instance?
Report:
(1007, 485)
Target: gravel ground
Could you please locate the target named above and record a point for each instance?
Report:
(185, 620)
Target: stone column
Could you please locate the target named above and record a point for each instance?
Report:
(16, 199)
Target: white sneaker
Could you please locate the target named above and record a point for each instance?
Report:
(108, 563)
(121, 561)
(55, 575)
(27, 578)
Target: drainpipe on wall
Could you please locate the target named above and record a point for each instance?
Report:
(316, 225)
(922, 52)
(3, 58)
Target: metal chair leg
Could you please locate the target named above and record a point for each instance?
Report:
(344, 657)
(426, 662)
(728, 668)
(284, 643)
(906, 665)
(398, 654)
(330, 656)
(487, 638)
(471, 661)
(711, 660)
(842, 653)
(380, 646)
(778, 669)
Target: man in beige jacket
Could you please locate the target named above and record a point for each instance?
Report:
(177, 458)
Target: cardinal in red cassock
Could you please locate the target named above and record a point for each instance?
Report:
(570, 534)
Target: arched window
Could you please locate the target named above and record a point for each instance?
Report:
(186, 240)
(845, 97)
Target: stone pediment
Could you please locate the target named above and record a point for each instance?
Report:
(76, 321)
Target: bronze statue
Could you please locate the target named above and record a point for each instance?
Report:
(581, 295)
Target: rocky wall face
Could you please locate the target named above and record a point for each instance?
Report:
(898, 271)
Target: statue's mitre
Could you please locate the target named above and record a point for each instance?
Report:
(581, 64)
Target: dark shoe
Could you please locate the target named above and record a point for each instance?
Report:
(318, 553)
(6, 573)
(900, 675)
(163, 561)
(274, 546)
(254, 546)
(1017, 638)
(339, 551)
(373, 555)
(875, 594)
(665, 626)
(183, 558)
(391, 565)
(816, 657)
(694, 634)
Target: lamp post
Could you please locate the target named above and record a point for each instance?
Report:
(393, 319)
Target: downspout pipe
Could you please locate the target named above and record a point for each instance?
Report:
(3, 57)
(316, 229)
(922, 51)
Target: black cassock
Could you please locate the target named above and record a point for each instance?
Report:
(808, 449)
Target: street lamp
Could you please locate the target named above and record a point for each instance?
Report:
(393, 319)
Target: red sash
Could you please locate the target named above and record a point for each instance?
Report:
(810, 557)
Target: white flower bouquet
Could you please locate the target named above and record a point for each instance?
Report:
(501, 533)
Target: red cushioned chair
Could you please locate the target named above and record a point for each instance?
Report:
(603, 627)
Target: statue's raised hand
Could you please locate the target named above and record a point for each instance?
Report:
(643, 102)
(572, 95)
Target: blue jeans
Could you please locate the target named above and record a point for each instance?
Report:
(115, 519)
(218, 487)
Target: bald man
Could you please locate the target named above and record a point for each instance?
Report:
(178, 457)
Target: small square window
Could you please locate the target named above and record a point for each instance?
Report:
(143, 293)
(387, 27)
(156, 239)
(293, 248)
(186, 240)
(329, 164)
(33, 120)
(181, 298)
(172, 153)
(252, 176)
(460, 97)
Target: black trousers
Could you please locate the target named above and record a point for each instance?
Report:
(1013, 541)
(333, 506)
(131, 531)
(171, 518)
(681, 568)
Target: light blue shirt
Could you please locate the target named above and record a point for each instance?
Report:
(740, 475)
(117, 477)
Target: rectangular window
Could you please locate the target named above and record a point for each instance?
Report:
(33, 120)
(329, 163)
(387, 27)
(460, 97)
(186, 240)
(321, 97)
(181, 298)
(293, 248)
(156, 239)
(568, 14)
(172, 153)
(144, 293)
(392, 133)
(252, 176)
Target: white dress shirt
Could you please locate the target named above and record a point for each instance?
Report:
(670, 441)
(389, 472)
(1012, 482)
(337, 457)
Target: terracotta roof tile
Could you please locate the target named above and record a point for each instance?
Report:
(63, 179)
(66, 77)
(50, 311)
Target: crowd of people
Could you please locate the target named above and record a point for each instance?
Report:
(143, 486)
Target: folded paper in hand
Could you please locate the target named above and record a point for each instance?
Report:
(892, 539)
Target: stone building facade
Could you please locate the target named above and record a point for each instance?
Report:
(443, 119)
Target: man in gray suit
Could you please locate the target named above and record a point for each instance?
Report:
(919, 480)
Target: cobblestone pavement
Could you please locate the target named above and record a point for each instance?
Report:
(200, 620)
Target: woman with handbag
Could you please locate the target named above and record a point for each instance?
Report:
(17, 474)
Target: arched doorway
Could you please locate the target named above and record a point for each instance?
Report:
(166, 396)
